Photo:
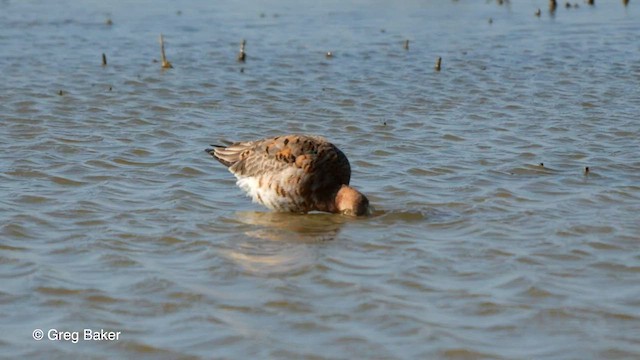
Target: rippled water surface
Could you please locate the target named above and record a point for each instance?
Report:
(489, 239)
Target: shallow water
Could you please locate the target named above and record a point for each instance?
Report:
(113, 217)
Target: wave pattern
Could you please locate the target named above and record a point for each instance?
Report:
(489, 239)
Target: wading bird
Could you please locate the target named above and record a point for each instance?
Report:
(294, 173)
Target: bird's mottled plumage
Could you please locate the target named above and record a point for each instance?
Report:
(296, 173)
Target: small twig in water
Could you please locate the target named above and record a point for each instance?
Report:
(438, 63)
(165, 63)
(242, 56)
(104, 59)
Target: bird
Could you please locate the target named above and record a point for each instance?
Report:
(294, 173)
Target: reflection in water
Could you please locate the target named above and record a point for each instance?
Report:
(282, 242)
(293, 227)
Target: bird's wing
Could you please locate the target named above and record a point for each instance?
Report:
(311, 154)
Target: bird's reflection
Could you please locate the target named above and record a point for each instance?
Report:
(289, 227)
(277, 243)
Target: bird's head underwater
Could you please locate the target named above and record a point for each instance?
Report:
(350, 201)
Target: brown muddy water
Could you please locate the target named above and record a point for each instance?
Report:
(113, 217)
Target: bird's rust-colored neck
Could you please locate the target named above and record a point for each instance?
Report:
(350, 201)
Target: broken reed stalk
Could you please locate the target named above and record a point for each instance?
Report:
(438, 63)
(242, 56)
(165, 63)
(104, 59)
(406, 44)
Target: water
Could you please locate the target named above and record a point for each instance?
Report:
(113, 217)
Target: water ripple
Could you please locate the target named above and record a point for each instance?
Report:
(487, 230)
